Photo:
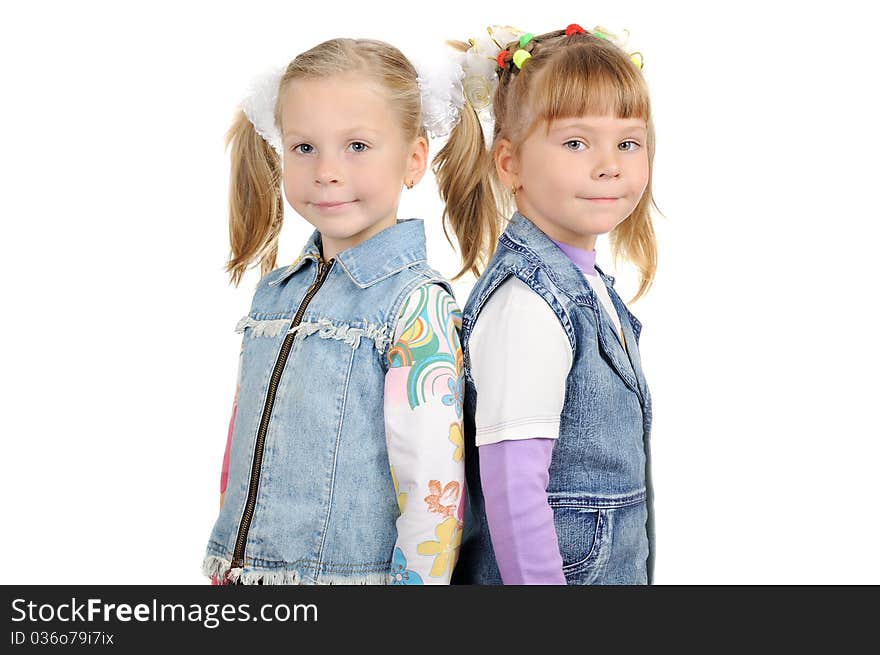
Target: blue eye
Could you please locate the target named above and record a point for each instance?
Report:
(577, 143)
(362, 147)
(635, 143)
(303, 148)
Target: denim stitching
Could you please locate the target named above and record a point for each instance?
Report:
(370, 283)
(257, 561)
(335, 457)
(595, 547)
(596, 501)
(537, 262)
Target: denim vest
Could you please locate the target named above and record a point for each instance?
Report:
(309, 498)
(600, 481)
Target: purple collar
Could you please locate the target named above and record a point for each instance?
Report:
(583, 259)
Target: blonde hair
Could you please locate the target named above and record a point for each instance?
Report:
(256, 208)
(566, 76)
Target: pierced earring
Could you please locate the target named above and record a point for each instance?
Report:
(514, 189)
(409, 185)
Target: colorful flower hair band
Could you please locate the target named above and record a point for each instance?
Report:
(520, 55)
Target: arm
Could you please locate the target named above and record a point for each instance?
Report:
(224, 471)
(520, 359)
(514, 476)
(423, 428)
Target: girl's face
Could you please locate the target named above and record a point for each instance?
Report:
(581, 179)
(345, 158)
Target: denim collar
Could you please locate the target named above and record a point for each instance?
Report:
(525, 237)
(375, 259)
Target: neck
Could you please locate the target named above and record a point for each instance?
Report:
(332, 246)
(583, 259)
(555, 231)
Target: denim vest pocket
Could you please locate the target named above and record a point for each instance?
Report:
(580, 533)
(584, 529)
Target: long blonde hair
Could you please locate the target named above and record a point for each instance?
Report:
(566, 76)
(256, 207)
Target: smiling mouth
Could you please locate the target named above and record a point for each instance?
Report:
(333, 205)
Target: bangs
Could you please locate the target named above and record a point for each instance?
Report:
(586, 81)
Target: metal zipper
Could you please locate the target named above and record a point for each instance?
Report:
(247, 516)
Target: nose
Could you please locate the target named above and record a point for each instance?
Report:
(607, 167)
(327, 171)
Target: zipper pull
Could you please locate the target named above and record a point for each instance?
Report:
(324, 267)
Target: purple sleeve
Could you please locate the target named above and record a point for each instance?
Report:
(514, 475)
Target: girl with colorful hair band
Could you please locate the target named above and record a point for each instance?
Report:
(557, 409)
(343, 459)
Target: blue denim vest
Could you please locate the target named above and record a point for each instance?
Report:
(309, 498)
(600, 480)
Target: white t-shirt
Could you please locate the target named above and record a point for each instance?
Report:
(520, 359)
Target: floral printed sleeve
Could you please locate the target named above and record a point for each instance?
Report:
(423, 429)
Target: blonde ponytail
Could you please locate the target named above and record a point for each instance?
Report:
(465, 179)
(256, 208)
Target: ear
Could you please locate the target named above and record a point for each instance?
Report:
(506, 163)
(417, 160)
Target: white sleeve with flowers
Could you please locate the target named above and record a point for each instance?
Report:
(423, 428)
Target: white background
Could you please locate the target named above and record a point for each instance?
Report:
(119, 355)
